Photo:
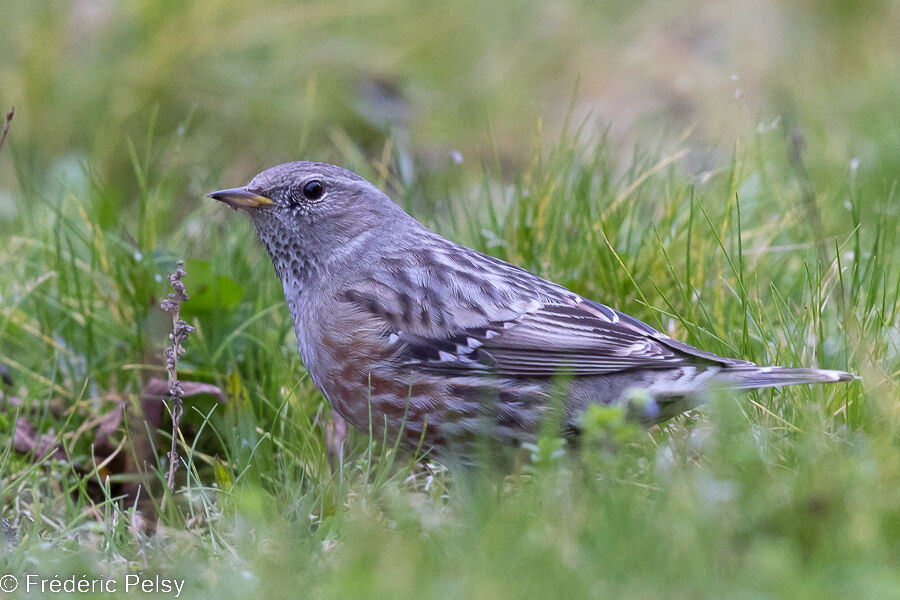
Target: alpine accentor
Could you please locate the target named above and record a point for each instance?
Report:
(402, 328)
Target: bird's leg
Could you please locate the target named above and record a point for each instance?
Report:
(335, 432)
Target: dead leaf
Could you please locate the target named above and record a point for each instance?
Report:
(157, 390)
(103, 445)
(26, 440)
(11, 400)
(33, 406)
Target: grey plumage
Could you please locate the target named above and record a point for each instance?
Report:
(439, 338)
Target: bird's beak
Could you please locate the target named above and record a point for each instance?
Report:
(241, 198)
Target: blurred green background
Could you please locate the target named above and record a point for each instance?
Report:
(249, 84)
(678, 160)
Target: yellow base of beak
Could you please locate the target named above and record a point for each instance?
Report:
(241, 198)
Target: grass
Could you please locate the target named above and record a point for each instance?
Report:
(792, 492)
(760, 251)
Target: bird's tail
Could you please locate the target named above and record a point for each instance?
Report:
(669, 398)
(746, 378)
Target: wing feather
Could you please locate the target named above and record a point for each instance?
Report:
(552, 339)
(499, 319)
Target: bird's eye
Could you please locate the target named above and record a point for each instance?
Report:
(313, 190)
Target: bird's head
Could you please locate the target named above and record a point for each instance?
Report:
(314, 210)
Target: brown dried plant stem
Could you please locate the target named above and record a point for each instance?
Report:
(180, 332)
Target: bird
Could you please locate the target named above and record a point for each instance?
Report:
(418, 339)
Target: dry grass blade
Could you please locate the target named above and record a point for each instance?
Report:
(6, 122)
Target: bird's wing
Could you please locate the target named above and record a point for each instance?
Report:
(532, 338)
(586, 338)
(444, 308)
